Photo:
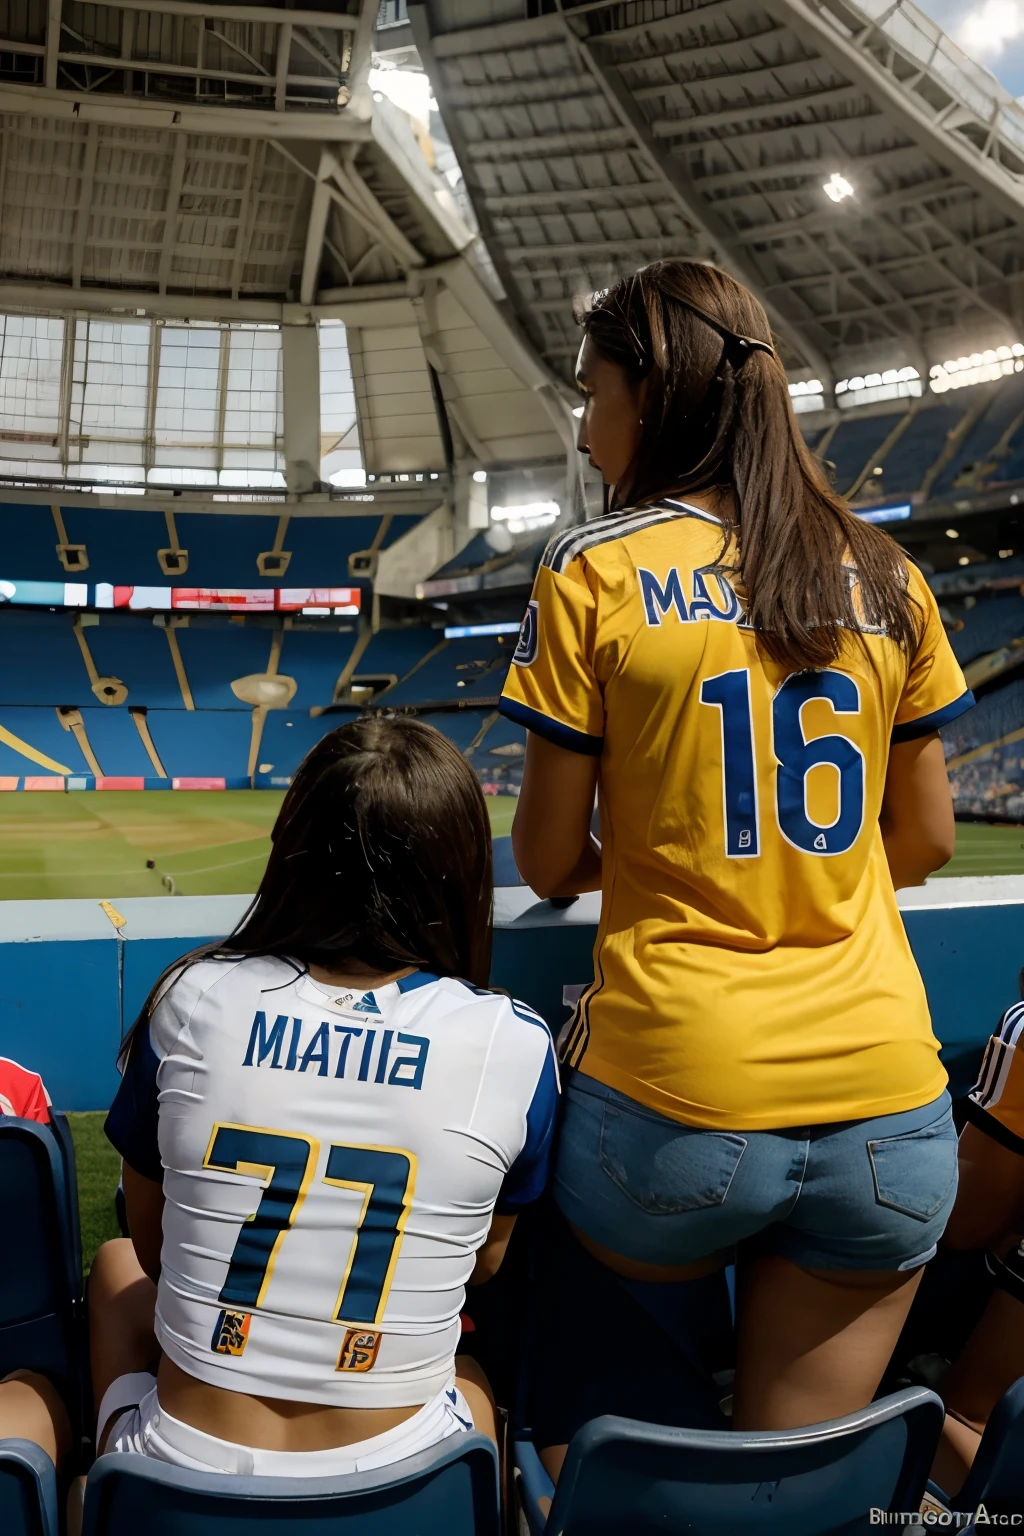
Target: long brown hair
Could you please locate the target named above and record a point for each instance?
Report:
(381, 853)
(719, 415)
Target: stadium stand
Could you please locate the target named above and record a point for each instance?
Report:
(982, 454)
(121, 546)
(855, 446)
(993, 621)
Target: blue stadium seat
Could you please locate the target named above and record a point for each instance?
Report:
(505, 870)
(28, 1490)
(621, 1475)
(41, 1308)
(996, 1480)
(450, 1490)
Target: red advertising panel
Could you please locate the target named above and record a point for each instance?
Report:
(231, 599)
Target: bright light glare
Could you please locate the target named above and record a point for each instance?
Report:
(407, 88)
(577, 411)
(952, 533)
(480, 476)
(351, 477)
(535, 514)
(977, 368)
(837, 187)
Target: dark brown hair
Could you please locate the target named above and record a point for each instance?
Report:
(711, 421)
(381, 853)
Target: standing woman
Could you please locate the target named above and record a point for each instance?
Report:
(753, 679)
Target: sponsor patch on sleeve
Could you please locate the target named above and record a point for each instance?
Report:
(526, 649)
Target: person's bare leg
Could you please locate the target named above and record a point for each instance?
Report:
(122, 1301)
(990, 1361)
(812, 1344)
(476, 1389)
(31, 1408)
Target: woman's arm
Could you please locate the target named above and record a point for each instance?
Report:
(554, 851)
(917, 823)
(491, 1253)
(144, 1204)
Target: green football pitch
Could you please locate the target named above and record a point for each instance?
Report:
(98, 844)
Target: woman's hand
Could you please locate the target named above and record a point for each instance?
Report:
(554, 851)
(917, 823)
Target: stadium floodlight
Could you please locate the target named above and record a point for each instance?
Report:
(977, 368)
(480, 476)
(964, 560)
(524, 519)
(952, 533)
(1004, 554)
(837, 187)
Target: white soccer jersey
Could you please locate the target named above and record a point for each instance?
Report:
(331, 1161)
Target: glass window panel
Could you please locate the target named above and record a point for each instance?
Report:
(30, 369)
(341, 459)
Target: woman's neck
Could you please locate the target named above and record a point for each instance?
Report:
(353, 974)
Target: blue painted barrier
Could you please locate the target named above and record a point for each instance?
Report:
(71, 981)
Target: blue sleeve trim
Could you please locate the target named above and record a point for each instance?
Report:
(527, 1179)
(417, 979)
(131, 1126)
(552, 730)
(910, 730)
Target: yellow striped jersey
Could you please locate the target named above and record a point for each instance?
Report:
(751, 966)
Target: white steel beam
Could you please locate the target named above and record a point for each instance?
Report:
(300, 388)
(170, 229)
(327, 127)
(54, 9)
(84, 209)
(316, 229)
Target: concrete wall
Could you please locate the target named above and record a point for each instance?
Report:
(71, 982)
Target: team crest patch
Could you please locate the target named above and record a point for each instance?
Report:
(231, 1333)
(529, 631)
(359, 1351)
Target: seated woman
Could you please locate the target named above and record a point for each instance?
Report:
(319, 1119)
(989, 1214)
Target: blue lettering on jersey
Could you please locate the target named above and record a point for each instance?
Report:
(366, 1004)
(417, 1063)
(317, 1050)
(659, 599)
(374, 1063)
(702, 606)
(266, 1042)
(347, 1032)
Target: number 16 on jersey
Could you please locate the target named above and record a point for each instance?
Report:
(794, 756)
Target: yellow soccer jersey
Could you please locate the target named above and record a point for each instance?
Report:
(752, 969)
(996, 1104)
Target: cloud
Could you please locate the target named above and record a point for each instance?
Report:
(985, 31)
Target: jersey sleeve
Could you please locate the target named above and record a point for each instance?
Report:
(935, 691)
(131, 1126)
(996, 1103)
(527, 1178)
(551, 687)
(133, 1122)
(22, 1093)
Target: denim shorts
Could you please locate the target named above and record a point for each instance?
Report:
(857, 1194)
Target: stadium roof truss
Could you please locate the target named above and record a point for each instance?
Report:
(182, 161)
(599, 135)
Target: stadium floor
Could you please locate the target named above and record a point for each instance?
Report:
(96, 844)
